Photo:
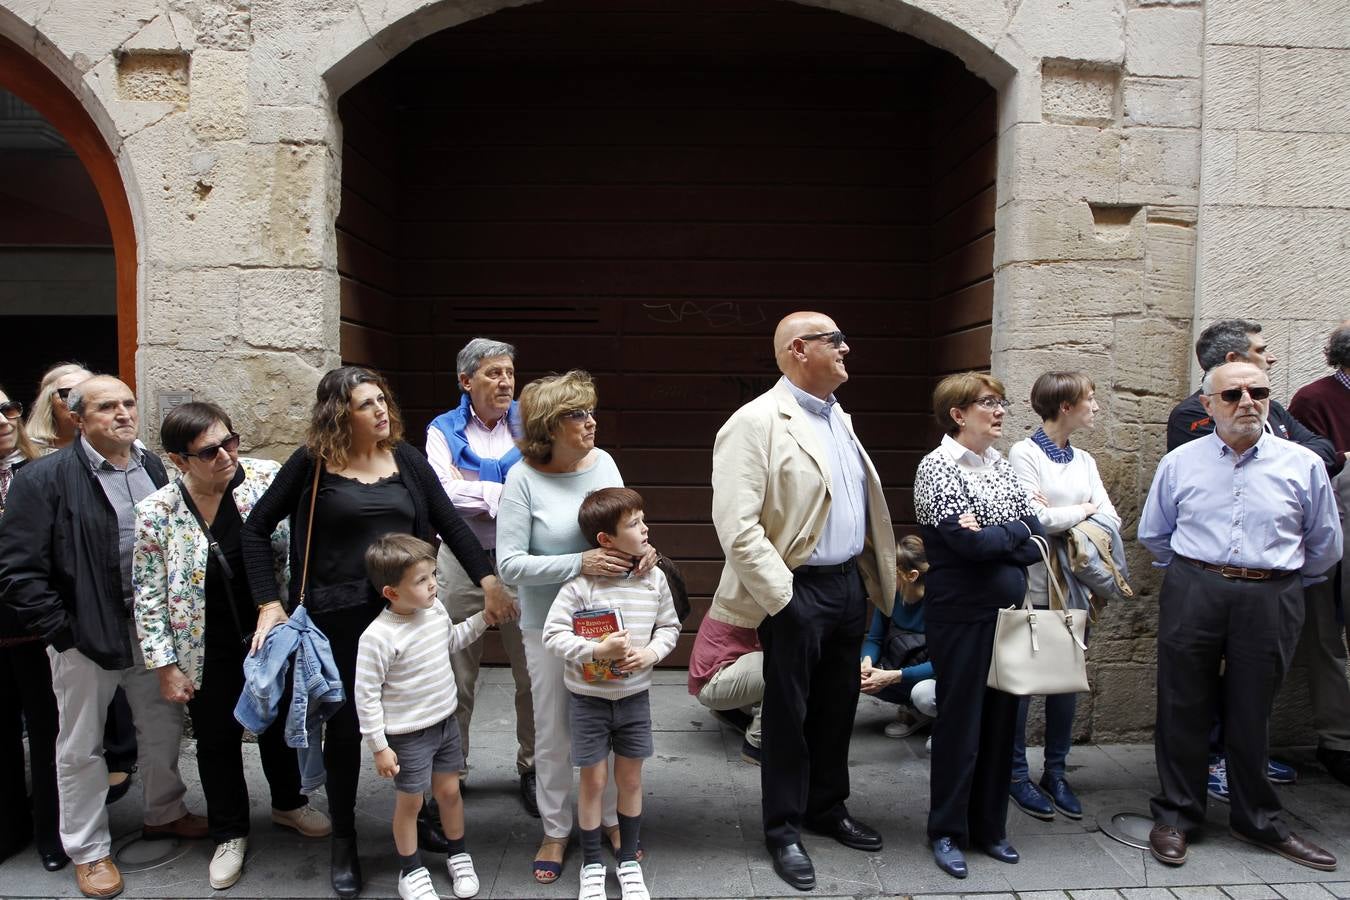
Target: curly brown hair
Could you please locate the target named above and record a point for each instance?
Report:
(542, 403)
(329, 438)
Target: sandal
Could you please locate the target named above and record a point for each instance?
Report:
(548, 862)
(615, 841)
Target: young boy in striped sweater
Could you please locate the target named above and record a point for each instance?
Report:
(405, 700)
(608, 679)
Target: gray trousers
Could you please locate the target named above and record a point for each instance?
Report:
(83, 690)
(739, 685)
(462, 598)
(1202, 618)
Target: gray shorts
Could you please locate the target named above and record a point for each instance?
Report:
(600, 725)
(435, 748)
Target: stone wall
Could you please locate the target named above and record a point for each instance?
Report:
(223, 116)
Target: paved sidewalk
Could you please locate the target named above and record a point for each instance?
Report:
(702, 831)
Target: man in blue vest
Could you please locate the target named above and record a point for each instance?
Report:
(472, 447)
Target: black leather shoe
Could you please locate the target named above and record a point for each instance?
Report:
(118, 791)
(794, 866)
(949, 858)
(54, 862)
(430, 837)
(346, 868)
(1002, 851)
(849, 832)
(528, 786)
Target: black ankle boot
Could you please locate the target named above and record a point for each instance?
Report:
(346, 868)
(430, 837)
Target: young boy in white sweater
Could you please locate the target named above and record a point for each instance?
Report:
(608, 679)
(405, 700)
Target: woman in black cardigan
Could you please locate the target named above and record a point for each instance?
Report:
(371, 483)
(976, 522)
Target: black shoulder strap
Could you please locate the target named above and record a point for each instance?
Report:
(219, 555)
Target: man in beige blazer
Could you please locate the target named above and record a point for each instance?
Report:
(803, 523)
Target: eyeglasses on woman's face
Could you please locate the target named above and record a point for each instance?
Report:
(991, 403)
(578, 415)
(209, 454)
(11, 409)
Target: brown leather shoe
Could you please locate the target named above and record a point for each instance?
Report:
(1167, 844)
(1295, 849)
(188, 826)
(99, 878)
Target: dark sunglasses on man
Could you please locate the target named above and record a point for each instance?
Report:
(1234, 395)
(11, 409)
(835, 338)
(208, 454)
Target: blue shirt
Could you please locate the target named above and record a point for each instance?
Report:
(846, 524)
(1271, 507)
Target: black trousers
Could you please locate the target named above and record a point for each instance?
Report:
(1202, 617)
(811, 680)
(26, 697)
(972, 739)
(342, 744)
(220, 757)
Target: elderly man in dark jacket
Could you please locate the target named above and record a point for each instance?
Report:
(65, 571)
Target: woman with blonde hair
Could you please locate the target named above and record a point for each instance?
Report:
(49, 423)
(369, 482)
(539, 547)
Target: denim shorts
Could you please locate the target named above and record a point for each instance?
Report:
(600, 725)
(435, 748)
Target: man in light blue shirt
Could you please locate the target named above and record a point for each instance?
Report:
(1241, 520)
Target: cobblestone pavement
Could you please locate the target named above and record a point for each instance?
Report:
(702, 833)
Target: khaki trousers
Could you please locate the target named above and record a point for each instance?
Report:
(462, 598)
(83, 691)
(739, 685)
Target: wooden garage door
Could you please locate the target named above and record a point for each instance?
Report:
(643, 193)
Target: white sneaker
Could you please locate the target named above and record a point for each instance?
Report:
(631, 883)
(305, 819)
(463, 879)
(592, 882)
(227, 863)
(907, 721)
(416, 885)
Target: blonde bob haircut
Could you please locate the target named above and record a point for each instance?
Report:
(543, 402)
(41, 424)
(961, 390)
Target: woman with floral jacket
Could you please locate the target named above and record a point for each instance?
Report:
(188, 573)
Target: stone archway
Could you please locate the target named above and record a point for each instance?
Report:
(31, 80)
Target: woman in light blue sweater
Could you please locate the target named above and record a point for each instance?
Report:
(539, 548)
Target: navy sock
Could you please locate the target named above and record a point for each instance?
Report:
(590, 846)
(457, 846)
(410, 863)
(628, 837)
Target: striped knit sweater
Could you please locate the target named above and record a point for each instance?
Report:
(403, 677)
(648, 612)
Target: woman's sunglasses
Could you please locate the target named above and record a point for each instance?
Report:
(208, 454)
(11, 409)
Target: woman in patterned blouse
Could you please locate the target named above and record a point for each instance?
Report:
(976, 522)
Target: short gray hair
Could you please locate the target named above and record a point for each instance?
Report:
(75, 399)
(477, 350)
(1222, 338)
(1338, 348)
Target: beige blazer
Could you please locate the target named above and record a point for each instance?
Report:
(771, 496)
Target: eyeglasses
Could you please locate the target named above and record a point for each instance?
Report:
(1234, 395)
(991, 403)
(208, 454)
(578, 415)
(11, 410)
(834, 337)
(63, 393)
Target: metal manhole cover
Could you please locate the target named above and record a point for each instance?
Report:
(1130, 828)
(136, 855)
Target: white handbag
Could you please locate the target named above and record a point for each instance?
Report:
(1040, 651)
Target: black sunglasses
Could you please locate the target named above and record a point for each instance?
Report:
(63, 393)
(834, 337)
(1234, 395)
(11, 409)
(208, 454)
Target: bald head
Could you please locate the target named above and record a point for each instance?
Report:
(807, 356)
(104, 409)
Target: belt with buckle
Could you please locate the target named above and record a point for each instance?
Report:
(1238, 573)
(842, 568)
